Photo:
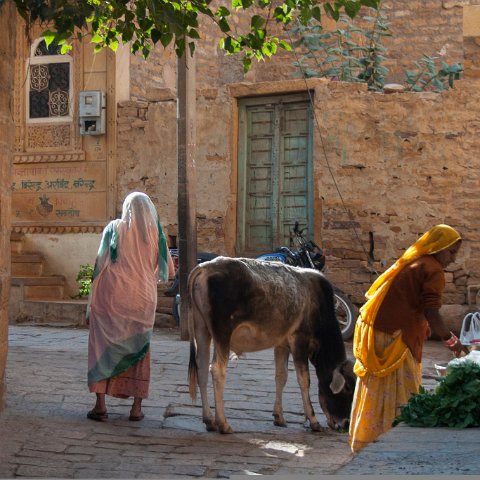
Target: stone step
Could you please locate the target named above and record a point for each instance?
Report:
(27, 264)
(61, 313)
(16, 242)
(58, 313)
(164, 302)
(41, 287)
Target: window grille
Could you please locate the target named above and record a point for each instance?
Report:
(49, 84)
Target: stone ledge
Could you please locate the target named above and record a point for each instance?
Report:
(65, 313)
(40, 280)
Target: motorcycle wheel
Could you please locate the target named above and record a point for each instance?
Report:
(346, 314)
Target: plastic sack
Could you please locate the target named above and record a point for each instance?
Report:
(470, 332)
(473, 356)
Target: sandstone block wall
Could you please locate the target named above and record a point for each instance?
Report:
(401, 162)
(416, 27)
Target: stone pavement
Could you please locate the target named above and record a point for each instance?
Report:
(44, 431)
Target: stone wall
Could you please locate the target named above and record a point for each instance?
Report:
(416, 27)
(7, 55)
(147, 160)
(401, 163)
(425, 27)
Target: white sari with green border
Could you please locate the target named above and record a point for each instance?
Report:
(132, 257)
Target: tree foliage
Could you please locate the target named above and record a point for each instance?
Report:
(144, 23)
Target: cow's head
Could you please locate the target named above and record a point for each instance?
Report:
(335, 394)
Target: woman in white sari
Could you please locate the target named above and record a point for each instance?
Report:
(132, 257)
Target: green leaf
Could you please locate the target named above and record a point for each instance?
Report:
(352, 8)
(222, 12)
(113, 45)
(165, 39)
(193, 33)
(371, 3)
(285, 45)
(66, 47)
(247, 64)
(244, 4)
(224, 25)
(97, 38)
(49, 37)
(331, 12)
(317, 13)
(155, 35)
(257, 22)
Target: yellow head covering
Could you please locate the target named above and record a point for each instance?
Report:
(435, 240)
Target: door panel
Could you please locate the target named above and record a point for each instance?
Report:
(275, 182)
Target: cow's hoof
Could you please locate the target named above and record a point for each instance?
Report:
(211, 426)
(278, 420)
(226, 428)
(316, 427)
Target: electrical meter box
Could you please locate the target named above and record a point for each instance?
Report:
(92, 111)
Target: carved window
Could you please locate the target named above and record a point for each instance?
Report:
(49, 80)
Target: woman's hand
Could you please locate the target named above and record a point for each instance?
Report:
(454, 345)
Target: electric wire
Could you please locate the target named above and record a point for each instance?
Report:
(324, 151)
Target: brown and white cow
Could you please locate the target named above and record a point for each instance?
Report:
(245, 305)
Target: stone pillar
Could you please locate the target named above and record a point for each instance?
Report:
(7, 56)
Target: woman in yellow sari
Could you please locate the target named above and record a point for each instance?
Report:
(402, 308)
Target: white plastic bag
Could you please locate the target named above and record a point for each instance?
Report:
(470, 332)
(473, 356)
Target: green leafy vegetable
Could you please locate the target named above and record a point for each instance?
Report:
(454, 403)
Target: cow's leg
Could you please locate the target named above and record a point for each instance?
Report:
(219, 374)
(281, 374)
(203, 361)
(300, 360)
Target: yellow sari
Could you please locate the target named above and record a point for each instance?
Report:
(386, 370)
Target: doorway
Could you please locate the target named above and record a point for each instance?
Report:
(275, 174)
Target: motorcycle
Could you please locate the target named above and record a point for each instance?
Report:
(307, 255)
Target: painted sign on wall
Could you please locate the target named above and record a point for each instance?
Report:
(59, 192)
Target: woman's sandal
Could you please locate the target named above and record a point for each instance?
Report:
(136, 418)
(97, 416)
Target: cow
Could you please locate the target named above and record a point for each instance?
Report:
(247, 305)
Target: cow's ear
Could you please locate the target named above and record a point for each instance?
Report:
(338, 382)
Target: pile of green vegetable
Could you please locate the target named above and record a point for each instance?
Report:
(455, 402)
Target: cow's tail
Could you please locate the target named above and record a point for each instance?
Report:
(193, 371)
(192, 365)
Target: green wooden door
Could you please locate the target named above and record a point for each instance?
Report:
(274, 171)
